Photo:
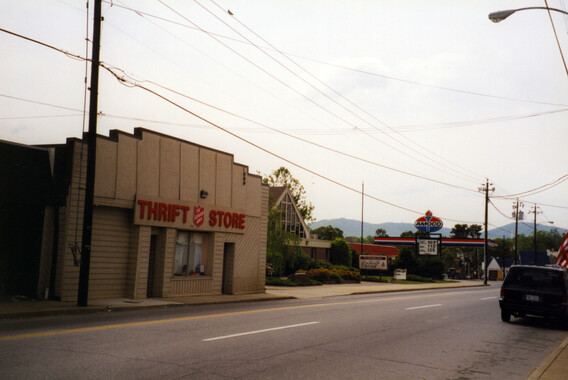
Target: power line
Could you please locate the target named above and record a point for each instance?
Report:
(424, 149)
(556, 37)
(287, 85)
(36, 117)
(125, 82)
(301, 139)
(466, 92)
(342, 119)
(536, 190)
(128, 83)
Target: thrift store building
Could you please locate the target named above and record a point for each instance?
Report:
(170, 218)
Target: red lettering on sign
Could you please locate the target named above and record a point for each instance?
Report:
(212, 218)
(185, 210)
(153, 211)
(220, 213)
(175, 212)
(163, 213)
(227, 220)
(169, 212)
(142, 207)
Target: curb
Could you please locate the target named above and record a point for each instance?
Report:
(78, 310)
(177, 302)
(548, 362)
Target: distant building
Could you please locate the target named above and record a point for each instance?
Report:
(373, 249)
(498, 267)
(292, 221)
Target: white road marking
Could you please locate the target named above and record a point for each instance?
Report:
(423, 307)
(259, 331)
(488, 298)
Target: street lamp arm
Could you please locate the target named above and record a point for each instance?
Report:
(502, 15)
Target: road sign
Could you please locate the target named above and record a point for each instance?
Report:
(373, 262)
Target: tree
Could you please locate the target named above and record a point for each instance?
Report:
(407, 234)
(460, 231)
(283, 251)
(545, 240)
(283, 177)
(380, 232)
(463, 231)
(407, 260)
(340, 253)
(327, 232)
(474, 231)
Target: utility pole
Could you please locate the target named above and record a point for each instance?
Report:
(535, 211)
(516, 215)
(486, 189)
(83, 289)
(362, 200)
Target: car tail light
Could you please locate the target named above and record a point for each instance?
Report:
(502, 292)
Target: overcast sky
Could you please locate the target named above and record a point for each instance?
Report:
(421, 101)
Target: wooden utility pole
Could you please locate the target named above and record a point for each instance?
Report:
(83, 289)
(485, 241)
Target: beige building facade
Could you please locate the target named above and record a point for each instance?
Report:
(170, 218)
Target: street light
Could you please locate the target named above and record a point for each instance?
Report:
(502, 15)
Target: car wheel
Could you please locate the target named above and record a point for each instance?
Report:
(505, 316)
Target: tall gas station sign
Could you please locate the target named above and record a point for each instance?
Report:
(427, 244)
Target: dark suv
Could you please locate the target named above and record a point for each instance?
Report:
(535, 291)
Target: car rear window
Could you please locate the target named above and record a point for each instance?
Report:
(535, 279)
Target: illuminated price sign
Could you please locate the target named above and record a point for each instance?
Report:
(428, 247)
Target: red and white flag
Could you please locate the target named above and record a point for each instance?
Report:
(562, 258)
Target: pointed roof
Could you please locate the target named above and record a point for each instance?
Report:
(279, 194)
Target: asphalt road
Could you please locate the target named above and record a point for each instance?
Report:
(442, 334)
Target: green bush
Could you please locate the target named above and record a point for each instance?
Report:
(386, 279)
(335, 277)
(431, 267)
(416, 278)
(335, 274)
(277, 281)
(320, 274)
(340, 253)
(347, 274)
(276, 262)
(297, 261)
(317, 264)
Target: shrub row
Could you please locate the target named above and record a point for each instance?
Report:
(336, 275)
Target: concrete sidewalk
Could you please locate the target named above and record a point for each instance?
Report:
(23, 308)
(552, 368)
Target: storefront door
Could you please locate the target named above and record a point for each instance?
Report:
(228, 267)
(151, 266)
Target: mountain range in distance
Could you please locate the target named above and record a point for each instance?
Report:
(351, 227)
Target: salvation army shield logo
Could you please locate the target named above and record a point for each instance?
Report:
(198, 215)
(428, 223)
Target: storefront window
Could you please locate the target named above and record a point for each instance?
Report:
(189, 260)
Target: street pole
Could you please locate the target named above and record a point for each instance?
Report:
(83, 288)
(516, 207)
(362, 200)
(485, 237)
(485, 241)
(534, 233)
